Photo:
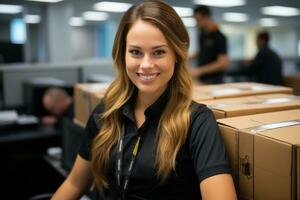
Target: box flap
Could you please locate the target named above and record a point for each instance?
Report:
(243, 122)
(239, 89)
(244, 104)
(274, 117)
(289, 134)
(255, 121)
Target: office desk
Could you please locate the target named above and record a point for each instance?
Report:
(20, 135)
(21, 151)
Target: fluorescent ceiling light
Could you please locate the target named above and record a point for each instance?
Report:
(221, 3)
(76, 21)
(189, 21)
(46, 1)
(95, 16)
(112, 6)
(280, 11)
(184, 11)
(10, 9)
(32, 19)
(268, 22)
(235, 17)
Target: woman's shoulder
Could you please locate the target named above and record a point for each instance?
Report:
(99, 108)
(200, 114)
(95, 116)
(198, 109)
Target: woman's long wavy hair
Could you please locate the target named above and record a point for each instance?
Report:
(174, 122)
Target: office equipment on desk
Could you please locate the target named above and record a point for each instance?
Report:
(11, 120)
(8, 117)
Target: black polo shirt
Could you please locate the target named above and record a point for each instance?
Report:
(203, 154)
(211, 45)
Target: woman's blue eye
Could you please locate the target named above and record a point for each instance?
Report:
(159, 52)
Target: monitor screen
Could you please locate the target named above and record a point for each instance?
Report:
(11, 53)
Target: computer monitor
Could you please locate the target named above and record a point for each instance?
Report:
(11, 53)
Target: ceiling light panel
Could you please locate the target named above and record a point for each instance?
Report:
(268, 22)
(235, 17)
(10, 9)
(107, 6)
(32, 19)
(95, 16)
(76, 21)
(46, 1)
(221, 3)
(282, 11)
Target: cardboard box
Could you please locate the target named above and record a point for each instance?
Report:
(87, 96)
(264, 151)
(293, 81)
(228, 90)
(240, 106)
(201, 97)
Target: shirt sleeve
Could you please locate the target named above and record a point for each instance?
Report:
(91, 130)
(221, 44)
(206, 146)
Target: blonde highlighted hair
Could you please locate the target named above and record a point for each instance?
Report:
(174, 122)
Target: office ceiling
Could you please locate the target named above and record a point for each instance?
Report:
(252, 8)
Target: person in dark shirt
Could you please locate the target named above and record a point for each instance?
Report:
(58, 103)
(211, 57)
(266, 67)
(147, 139)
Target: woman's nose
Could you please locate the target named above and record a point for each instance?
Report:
(146, 62)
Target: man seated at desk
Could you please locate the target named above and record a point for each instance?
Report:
(59, 104)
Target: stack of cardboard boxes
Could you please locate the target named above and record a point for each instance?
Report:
(264, 152)
(264, 149)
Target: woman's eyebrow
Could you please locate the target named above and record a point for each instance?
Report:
(155, 47)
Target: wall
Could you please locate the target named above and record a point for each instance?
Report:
(284, 41)
(82, 42)
(59, 31)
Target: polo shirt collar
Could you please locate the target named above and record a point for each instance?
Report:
(152, 112)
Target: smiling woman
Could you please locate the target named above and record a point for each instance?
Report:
(147, 139)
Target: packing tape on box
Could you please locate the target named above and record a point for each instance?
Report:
(217, 91)
(261, 101)
(267, 127)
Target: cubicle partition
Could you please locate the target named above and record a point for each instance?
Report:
(13, 78)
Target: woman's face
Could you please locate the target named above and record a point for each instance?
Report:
(149, 59)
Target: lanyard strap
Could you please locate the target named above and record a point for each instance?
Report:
(124, 186)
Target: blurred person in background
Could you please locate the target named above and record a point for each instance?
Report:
(211, 57)
(59, 104)
(266, 66)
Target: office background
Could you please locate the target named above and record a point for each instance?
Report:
(65, 42)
